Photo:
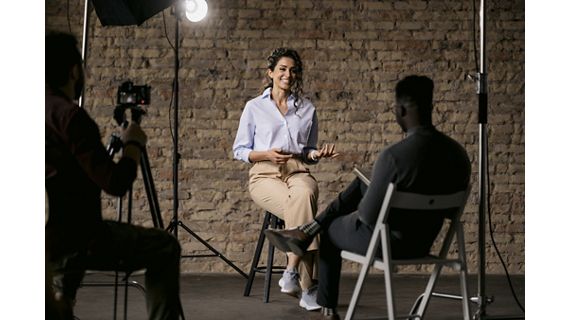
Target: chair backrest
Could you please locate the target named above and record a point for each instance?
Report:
(415, 201)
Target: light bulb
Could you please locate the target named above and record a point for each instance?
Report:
(196, 10)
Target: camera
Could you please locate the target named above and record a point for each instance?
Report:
(131, 97)
(129, 94)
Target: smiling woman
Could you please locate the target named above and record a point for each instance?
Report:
(278, 133)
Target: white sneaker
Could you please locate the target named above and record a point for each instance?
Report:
(309, 299)
(289, 283)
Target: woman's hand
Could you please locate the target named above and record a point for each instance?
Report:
(327, 151)
(276, 156)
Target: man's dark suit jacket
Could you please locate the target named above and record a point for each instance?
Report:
(426, 161)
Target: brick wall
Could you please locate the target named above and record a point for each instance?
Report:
(354, 53)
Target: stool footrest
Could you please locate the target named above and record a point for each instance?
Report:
(274, 269)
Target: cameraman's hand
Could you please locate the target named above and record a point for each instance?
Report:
(133, 133)
(134, 139)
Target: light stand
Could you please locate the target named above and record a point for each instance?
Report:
(482, 299)
(84, 44)
(175, 222)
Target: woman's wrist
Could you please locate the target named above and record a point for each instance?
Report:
(256, 156)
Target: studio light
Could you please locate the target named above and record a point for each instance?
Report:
(196, 10)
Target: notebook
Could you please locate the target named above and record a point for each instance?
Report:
(362, 175)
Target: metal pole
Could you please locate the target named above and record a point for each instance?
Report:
(84, 45)
(483, 154)
(482, 92)
(175, 152)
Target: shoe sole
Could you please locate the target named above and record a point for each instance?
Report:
(292, 293)
(294, 247)
(303, 305)
(277, 241)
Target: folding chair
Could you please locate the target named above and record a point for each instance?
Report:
(381, 234)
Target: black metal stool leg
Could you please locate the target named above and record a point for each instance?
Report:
(116, 295)
(257, 255)
(126, 296)
(269, 269)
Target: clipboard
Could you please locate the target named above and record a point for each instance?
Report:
(362, 176)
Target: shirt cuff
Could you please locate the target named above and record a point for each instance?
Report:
(306, 158)
(244, 155)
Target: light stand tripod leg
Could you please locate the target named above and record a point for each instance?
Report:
(212, 249)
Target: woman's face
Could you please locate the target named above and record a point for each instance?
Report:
(283, 74)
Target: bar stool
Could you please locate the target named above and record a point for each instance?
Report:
(275, 222)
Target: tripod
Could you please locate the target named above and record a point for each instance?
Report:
(113, 147)
(175, 222)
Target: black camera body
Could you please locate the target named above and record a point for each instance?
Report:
(129, 94)
(131, 97)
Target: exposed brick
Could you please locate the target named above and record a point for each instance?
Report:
(354, 53)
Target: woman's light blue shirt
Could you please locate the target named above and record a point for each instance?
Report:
(262, 127)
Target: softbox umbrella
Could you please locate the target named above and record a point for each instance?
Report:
(128, 12)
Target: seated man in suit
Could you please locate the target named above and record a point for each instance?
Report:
(425, 161)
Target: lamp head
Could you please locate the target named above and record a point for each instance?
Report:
(196, 10)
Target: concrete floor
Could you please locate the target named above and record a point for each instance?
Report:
(220, 296)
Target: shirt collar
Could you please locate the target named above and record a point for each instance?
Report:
(267, 94)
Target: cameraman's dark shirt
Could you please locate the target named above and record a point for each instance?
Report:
(77, 167)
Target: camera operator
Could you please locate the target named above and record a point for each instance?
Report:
(77, 168)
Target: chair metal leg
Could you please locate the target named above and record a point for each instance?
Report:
(124, 282)
(390, 294)
(426, 296)
(125, 308)
(116, 295)
(388, 270)
(357, 290)
(463, 272)
(253, 270)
